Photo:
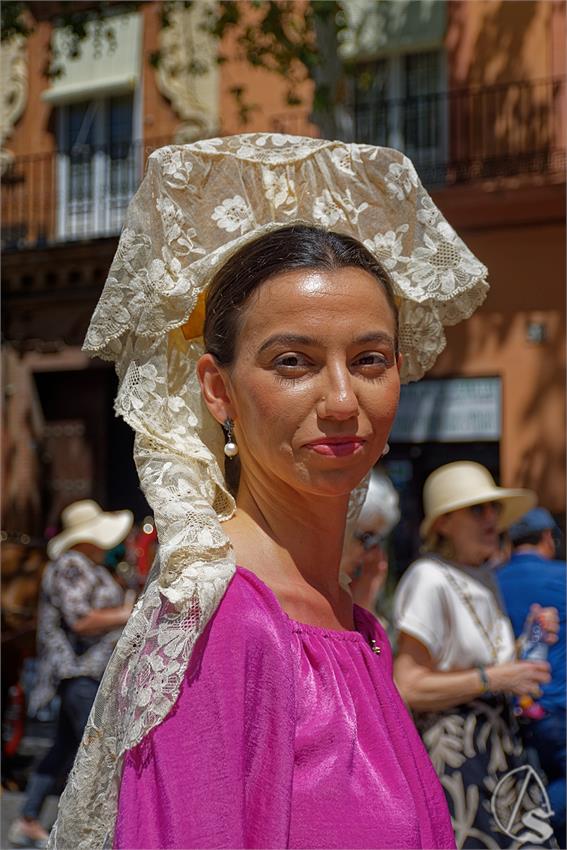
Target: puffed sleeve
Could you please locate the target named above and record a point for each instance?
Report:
(217, 772)
(419, 606)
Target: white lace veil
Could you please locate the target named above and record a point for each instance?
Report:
(196, 206)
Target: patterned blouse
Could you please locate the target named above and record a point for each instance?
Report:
(71, 587)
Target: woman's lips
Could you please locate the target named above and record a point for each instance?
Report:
(336, 446)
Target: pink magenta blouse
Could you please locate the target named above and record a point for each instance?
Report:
(283, 735)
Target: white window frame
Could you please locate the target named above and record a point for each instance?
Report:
(103, 213)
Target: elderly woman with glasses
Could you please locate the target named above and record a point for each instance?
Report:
(365, 555)
(457, 667)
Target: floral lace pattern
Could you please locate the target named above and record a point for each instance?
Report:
(197, 205)
(177, 235)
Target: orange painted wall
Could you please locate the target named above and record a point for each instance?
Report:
(159, 120)
(34, 132)
(500, 44)
(28, 200)
(502, 41)
(520, 236)
(264, 89)
(527, 274)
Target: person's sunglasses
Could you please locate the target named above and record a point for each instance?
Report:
(479, 511)
(368, 539)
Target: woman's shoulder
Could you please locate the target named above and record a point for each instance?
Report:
(250, 608)
(247, 634)
(426, 570)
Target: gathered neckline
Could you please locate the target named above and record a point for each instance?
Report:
(308, 628)
(321, 631)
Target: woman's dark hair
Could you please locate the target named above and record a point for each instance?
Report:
(283, 250)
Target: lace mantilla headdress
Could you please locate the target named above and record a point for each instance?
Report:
(197, 205)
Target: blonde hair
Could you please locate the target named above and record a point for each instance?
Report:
(436, 543)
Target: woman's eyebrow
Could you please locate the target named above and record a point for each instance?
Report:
(374, 336)
(288, 340)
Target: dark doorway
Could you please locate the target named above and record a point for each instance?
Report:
(88, 450)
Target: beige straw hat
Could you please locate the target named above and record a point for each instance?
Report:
(86, 522)
(464, 483)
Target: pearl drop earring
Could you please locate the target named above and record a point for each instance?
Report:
(386, 449)
(230, 447)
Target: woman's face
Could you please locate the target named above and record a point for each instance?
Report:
(473, 532)
(314, 386)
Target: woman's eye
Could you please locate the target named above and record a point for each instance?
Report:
(372, 359)
(291, 361)
(291, 367)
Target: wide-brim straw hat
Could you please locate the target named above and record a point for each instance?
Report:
(86, 522)
(463, 484)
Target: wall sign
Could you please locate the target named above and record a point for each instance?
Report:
(449, 410)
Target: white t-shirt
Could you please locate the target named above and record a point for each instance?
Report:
(433, 603)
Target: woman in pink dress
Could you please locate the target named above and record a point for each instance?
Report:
(253, 705)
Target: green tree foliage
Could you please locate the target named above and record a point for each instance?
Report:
(14, 20)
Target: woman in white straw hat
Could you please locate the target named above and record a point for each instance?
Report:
(81, 611)
(86, 522)
(456, 665)
(264, 287)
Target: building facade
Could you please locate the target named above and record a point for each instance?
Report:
(474, 92)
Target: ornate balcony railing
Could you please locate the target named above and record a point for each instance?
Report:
(453, 138)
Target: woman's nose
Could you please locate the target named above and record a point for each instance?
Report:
(338, 398)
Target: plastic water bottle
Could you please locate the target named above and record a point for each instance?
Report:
(534, 648)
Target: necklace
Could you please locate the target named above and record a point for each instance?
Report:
(464, 595)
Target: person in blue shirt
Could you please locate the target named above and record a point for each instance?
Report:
(533, 576)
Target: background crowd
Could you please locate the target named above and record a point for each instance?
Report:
(465, 605)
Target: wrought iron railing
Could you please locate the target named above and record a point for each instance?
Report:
(71, 195)
(455, 137)
(471, 134)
